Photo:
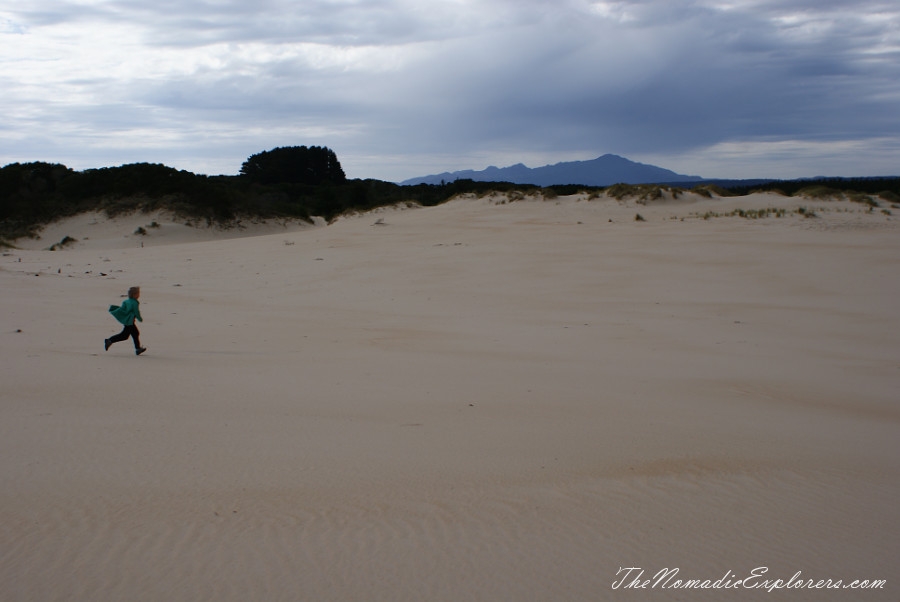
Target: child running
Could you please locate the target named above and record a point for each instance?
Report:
(126, 314)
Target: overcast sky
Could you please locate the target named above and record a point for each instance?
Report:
(402, 88)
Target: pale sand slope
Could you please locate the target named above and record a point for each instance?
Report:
(94, 230)
(476, 401)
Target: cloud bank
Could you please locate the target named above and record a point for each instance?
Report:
(400, 88)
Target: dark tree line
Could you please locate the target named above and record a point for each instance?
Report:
(285, 182)
(297, 182)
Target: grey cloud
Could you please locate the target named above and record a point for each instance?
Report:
(652, 75)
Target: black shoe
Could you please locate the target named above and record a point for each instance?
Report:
(106, 344)
(140, 350)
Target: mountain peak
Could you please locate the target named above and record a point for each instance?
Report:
(605, 170)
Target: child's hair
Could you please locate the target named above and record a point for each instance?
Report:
(133, 291)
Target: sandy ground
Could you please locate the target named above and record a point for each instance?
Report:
(485, 400)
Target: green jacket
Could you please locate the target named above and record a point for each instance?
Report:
(128, 312)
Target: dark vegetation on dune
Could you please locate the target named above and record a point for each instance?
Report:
(301, 182)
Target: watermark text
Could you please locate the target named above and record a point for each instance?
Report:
(758, 578)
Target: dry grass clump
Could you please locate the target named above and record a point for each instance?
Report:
(864, 199)
(642, 192)
(824, 193)
(760, 213)
(890, 197)
(710, 190)
(820, 192)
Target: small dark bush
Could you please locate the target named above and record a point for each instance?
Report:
(66, 241)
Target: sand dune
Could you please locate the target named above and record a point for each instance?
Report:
(484, 400)
(96, 230)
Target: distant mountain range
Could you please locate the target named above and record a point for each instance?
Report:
(602, 171)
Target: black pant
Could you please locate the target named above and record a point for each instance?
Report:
(130, 330)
